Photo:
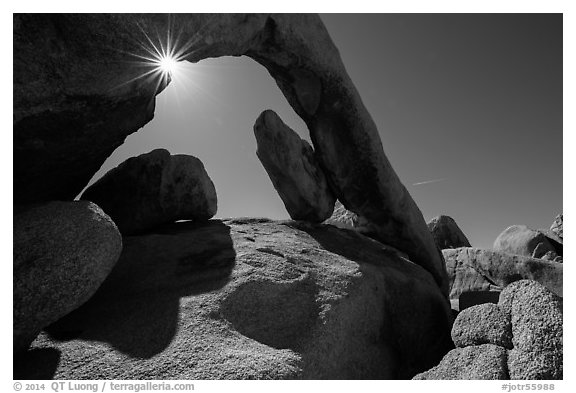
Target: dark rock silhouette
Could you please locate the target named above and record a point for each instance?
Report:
(475, 297)
(155, 188)
(63, 251)
(446, 233)
(249, 298)
(474, 269)
(36, 364)
(292, 166)
(521, 240)
(87, 97)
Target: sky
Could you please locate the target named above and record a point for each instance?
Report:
(468, 107)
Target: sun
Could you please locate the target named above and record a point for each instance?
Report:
(168, 65)
(161, 56)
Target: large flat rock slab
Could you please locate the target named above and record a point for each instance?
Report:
(250, 299)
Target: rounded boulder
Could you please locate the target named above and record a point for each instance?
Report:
(482, 324)
(521, 240)
(63, 251)
(153, 189)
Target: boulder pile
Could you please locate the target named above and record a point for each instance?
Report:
(63, 251)
(519, 338)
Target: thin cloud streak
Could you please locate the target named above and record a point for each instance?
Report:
(428, 182)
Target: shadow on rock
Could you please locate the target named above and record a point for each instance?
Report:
(330, 238)
(136, 309)
(37, 363)
(276, 314)
(413, 302)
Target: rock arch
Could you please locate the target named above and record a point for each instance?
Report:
(76, 98)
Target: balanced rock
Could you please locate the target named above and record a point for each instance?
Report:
(446, 233)
(87, 97)
(153, 189)
(474, 269)
(252, 299)
(63, 251)
(521, 240)
(292, 166)
(558, 226)
(482, 324)
(537, 330)
(486, 361)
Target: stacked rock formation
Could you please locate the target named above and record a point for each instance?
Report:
(155, 188)
(520, 338)
(63, 251)
(60, 143)
(201, 299)
(446, 233)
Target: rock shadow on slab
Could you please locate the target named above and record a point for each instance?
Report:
(277, 314)
(35, 364)
(136, 310)
(402, 306)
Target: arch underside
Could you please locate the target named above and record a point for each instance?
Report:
(76, 99)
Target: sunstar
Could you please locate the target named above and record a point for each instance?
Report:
(167, 65)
